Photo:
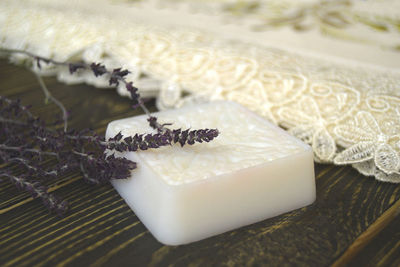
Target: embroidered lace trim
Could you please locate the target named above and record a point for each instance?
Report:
(348, 112)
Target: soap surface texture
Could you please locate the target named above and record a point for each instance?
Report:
(252, 171)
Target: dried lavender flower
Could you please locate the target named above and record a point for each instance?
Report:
(74, 67)
(27, 142)
(98, 69)
(168, 137)
(117, 75)
(36, 190)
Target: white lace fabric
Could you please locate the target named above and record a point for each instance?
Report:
(348, 110)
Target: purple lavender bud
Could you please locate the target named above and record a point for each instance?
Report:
(152, 122)
(73, 67)
(129, 86)
(134, 93)
(183, 137)
(118, 137)
(128, 139)
(113, 80)
(143, 146)
(191, 137)
(98, 69)
(176, 133)
(123, 73)
(117, 75)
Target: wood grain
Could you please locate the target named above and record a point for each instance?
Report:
(379, 245)
(367, 236)
(100, 229)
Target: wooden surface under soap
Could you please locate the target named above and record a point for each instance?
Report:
(353, 220)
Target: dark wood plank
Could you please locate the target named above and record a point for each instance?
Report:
(101, 230)
(383, 250)
(368, 244)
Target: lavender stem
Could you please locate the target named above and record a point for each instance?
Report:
(49, 96)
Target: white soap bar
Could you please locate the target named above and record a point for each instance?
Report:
(252, 171)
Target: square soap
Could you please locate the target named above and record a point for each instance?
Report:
(252, 171)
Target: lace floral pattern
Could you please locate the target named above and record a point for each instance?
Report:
(348, 112)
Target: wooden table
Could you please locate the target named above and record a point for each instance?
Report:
(354, 220)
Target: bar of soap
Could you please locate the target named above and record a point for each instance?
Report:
(252, 171)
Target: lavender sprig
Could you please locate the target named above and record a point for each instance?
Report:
(37, 190)
(30, 144)
(116, 76)
(168, 137)
(26, 141)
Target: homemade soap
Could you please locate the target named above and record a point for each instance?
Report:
(252, 171)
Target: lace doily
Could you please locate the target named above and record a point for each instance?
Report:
(348, 111)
